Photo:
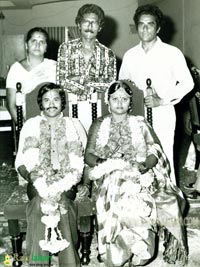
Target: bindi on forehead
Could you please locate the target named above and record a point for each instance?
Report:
(38, 35)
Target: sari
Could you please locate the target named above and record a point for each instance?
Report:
(44, 72)
(132, 207)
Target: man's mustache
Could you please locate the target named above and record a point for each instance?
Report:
(89, 31)
(50, 108)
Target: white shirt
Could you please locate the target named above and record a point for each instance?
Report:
(164, 64)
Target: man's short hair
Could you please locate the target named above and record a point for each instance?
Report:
(46, 87)
(148, 10)
(90, 8)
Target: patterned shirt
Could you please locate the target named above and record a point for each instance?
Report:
(96, 75)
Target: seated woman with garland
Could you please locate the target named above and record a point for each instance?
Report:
(50, 158)
(134, 194)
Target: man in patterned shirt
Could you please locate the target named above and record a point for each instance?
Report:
(86, 67)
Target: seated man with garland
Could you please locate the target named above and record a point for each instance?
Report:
(50, 159)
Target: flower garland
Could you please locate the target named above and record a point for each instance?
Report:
(104, 131)
(52, 183)
(132, 130)
(128, 171)
(128, 168)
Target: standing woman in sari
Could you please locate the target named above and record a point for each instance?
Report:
(30, 71)
(130, 176)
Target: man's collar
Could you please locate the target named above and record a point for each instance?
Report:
(157, 42)
(80, 43)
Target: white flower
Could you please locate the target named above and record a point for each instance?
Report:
(140, 249)
(31, 158)
(54, 246)
(40, 185)
(103, 133)
(145, 209)
(147, 179)
(107, 167)
(56, 243)
(63, 210)
(49, 207)
(130, 188)
(50, 221)
(76, 162)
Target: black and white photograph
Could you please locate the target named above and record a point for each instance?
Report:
(99, 133)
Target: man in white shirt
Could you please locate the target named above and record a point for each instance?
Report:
(165, 65)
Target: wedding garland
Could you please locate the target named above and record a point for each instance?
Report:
(52, 183)
(127, 169)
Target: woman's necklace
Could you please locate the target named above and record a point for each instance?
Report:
(114, 121)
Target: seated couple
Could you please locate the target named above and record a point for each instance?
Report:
(131, 185)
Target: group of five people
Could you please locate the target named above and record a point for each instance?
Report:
(127, 160)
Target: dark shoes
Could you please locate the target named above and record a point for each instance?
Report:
(99, 258)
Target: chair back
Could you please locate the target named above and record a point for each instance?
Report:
(32, 108)
(138, 102)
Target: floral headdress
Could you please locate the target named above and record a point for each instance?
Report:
(128, 83)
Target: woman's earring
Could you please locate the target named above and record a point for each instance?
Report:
(130, 108)
(109, 109)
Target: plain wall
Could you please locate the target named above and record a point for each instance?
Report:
(192, 30)
(172, 31)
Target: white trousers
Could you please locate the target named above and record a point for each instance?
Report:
(164, 123)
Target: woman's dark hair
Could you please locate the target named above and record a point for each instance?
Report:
(148, 10)
(37, 29)
(126, 85)
(90, 8)
(48, 87)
